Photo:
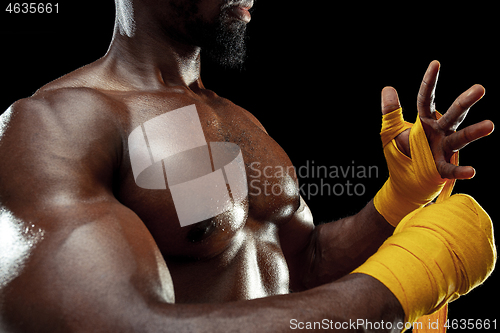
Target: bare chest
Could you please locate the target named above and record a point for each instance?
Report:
(204, 177)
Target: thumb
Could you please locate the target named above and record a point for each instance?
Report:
(390, 100)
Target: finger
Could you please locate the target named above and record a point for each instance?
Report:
(458, 110)
(425, 98)
(450, 171)
(467, 135)
(390, 100)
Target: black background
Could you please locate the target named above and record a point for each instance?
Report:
(313, 78)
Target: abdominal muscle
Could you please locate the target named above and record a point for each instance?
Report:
(252, 266)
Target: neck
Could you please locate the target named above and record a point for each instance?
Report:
(151, 61)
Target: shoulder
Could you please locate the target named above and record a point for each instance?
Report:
(75, 97)
(254, 119)
(74, 110)
(60, 139)
(69, 118)
(73, 100)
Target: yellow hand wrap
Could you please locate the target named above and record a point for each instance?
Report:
(413, 182)
(436, 254)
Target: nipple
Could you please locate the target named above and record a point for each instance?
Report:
(201, 231)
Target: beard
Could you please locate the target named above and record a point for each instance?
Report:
(223, 41)
(227, 45)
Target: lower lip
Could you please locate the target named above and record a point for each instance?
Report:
(241, 14)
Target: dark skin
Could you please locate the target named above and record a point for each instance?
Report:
(109, 256)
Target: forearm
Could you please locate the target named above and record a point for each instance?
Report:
(353, 299)
(101, 276)
(436, 254)
(337, 248)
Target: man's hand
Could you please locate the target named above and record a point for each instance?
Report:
(443, 140)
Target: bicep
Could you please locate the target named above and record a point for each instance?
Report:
(54, 152)
(296, 238)
(86, 261)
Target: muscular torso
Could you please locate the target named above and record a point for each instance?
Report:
(234, 255)
(95, 240)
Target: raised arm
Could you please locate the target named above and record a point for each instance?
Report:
(418, 168)
(78, 260)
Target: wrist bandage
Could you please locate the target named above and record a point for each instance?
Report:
(413, 182)
(436, 254)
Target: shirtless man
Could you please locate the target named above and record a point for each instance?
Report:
(93, 251)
